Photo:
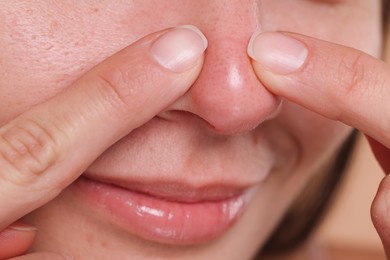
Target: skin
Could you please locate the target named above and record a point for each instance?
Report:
(226, 102)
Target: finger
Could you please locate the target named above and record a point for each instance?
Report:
(380, 213)
(337, 82)
(48, 147)
(16, 239)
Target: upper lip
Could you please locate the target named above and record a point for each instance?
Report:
(177, 191)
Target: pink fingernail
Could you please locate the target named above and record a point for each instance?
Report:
(20, 226)
(279, 53)
(179, 49)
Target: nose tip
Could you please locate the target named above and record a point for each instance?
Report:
(227, 94)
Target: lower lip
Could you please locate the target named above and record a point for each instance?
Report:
(160, 220)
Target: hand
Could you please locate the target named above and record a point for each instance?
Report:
(339, 83)
(45, 149)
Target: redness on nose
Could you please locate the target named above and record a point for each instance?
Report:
(228, 94)
(234, 77)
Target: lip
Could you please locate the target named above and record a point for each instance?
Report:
(167, 213)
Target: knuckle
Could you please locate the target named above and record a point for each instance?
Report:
(122, 88)
(353, 74)
(27, 151)
(111, 85)
(118, 85)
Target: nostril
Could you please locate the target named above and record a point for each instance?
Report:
(239, 120)
(187, 119)
(223, 120)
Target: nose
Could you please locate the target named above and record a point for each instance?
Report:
(227, 94)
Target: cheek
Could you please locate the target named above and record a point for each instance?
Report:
(46, 47)
(42, 57)
(318, 136)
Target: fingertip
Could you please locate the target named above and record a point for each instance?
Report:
(277, 52)
(180, 49)
(276, 59)
(16, 239)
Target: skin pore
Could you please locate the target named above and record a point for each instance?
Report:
(227, 129)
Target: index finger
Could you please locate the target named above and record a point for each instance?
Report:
(335, 81)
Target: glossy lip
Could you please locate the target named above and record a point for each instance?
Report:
(176, 191)
(167, 213)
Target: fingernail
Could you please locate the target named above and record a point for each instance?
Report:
(20, 226)
(179, 49)
(279, 53)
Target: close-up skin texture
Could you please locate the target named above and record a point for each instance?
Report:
(178, 129)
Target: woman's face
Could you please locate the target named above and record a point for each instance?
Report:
(210, 176)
